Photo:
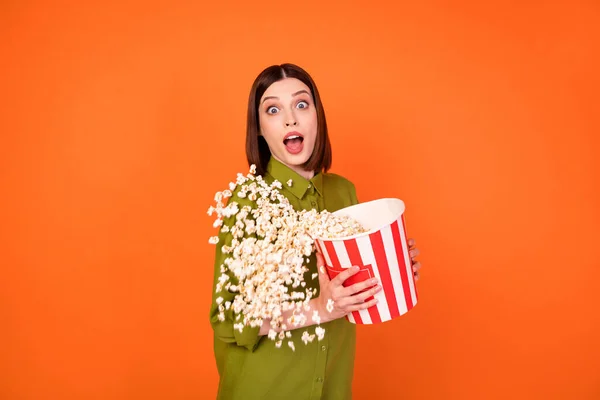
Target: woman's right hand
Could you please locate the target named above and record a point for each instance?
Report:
(345, 299)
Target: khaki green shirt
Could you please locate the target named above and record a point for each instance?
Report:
(249, 365)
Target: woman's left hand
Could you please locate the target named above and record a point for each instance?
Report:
(413, 252)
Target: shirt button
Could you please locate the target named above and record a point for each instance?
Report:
(314, 203)
(309, 186)
(323, 348)
(319, 379)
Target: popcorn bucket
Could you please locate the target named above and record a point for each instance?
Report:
(382, 252)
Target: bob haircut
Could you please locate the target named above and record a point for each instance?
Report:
(257, 150)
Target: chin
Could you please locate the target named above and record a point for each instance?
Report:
(296, 159)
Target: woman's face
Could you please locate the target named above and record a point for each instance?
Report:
(288, 122)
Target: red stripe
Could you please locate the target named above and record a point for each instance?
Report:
(384, 273)
(413, 275)
(332, 254)
(357, 318)
(355, 259)
(402, 264)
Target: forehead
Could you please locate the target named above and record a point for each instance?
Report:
(285, 88)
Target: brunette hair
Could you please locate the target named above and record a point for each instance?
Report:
(257, 151)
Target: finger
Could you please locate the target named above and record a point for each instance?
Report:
(411, 242)
(317, 249)
(338, 280)
(417, 276)
(359, 287)
(414, 253)
(361, 297)
(416, 266)
(320, 258)
(363, 306)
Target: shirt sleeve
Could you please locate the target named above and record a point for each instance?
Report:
(353, 196)
(224, 330)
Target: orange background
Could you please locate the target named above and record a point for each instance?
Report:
(120, 122)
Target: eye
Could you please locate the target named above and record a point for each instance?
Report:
(272, 110)
(302, 104)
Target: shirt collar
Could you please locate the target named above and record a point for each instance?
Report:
(300, 184)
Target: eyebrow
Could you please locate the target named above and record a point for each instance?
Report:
(293, 94)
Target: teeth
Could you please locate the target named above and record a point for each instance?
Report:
(293, 137)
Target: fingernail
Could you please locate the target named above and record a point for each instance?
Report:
(356, 268)
(374, 281)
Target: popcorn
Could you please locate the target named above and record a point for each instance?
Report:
(316, 318)
(320, 333)
(289, 182)
(268, 255)
(306, 337)
(329, 305)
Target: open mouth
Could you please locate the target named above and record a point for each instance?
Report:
(293, 142)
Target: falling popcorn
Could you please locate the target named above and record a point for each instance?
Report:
(306, 337)
(329, 305)
(320, 332)
(316, 318)
(267, 256)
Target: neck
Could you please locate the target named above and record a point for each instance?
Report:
(308, 175)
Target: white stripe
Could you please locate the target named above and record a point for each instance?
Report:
(390, 251)
(368, 257)
(351, 318)
(342, 255)
(325, 254)
(408, 266)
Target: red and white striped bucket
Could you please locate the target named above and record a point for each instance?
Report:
(382, 252)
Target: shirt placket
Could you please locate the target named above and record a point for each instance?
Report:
(323, 345)
(311, 196)
(321, 362)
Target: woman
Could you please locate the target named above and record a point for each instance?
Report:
(287, 140)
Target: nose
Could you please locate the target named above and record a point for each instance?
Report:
(290, 119)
